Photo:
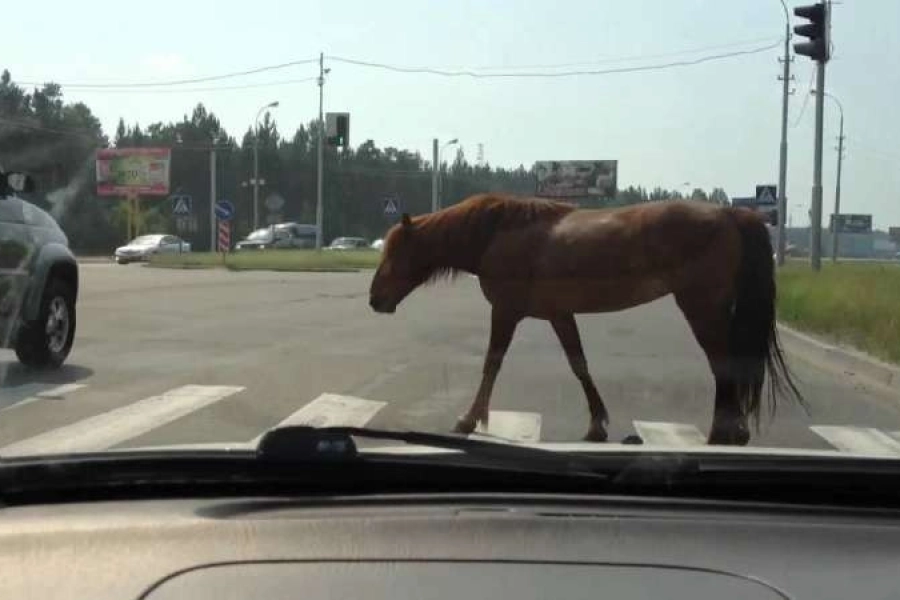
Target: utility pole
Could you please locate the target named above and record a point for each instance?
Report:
(321, 142)
(212, 197)
(782, 168)
(434, 175)
(837, 188)
(818, 49)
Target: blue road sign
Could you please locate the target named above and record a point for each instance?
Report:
(224, 210)
(182, 205)
(391, 206)
(766, 195)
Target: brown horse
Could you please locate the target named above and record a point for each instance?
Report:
(548, 260)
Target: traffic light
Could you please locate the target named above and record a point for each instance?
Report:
(816, 31)
(343, 130)
(337, 127)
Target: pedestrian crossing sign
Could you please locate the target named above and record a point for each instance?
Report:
(391, 207)
(766, 195)
(181, 205)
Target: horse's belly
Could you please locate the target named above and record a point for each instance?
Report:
(584, 295)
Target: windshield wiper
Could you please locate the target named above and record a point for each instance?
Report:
(305, 443)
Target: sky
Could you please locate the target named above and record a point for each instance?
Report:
(716, 123)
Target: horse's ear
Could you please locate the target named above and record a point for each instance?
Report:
(407, 222)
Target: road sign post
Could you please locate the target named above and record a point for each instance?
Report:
(224, 237)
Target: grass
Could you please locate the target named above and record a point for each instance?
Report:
(856, 304)
(273, 260)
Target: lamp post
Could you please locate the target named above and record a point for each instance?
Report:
(256, 164)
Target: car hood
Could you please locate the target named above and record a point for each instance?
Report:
(134, 248)
(563, 447)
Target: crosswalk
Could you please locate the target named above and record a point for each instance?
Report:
(117, 427)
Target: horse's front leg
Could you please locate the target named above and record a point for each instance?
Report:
(503, 325)
(567, 331)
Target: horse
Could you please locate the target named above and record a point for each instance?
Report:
(542, 259)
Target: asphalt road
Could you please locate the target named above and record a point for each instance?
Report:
(177, 357)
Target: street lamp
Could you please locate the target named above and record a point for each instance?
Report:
(439, 163)
(256, 164)
(837, 185)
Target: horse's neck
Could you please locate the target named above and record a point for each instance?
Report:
(455, 244)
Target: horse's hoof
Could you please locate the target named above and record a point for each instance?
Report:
(465, 426)
(733, 435)
(633, 440)
(597, 433)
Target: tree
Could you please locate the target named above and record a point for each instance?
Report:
(698, 195)
(718, 196)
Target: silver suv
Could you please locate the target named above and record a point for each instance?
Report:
(38, 279)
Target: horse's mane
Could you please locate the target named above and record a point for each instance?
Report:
(457, 236)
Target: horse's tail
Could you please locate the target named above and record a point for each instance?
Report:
(753, 337)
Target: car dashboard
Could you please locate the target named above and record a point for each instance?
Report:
(445, 546)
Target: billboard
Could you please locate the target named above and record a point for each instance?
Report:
(133, 171)
(574, 178)
(852, 223)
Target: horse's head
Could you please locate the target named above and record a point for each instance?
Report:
(402, 268)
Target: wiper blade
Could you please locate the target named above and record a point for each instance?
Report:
(306, 443)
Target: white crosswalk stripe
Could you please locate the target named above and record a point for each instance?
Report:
(122, 424)
(333, 410)
(859, 440)
(513, 425)
(657, 433)
(53, 393)
(119, 425)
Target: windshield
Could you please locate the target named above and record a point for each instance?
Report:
(260, 235)
(605, 225)
(146, 240)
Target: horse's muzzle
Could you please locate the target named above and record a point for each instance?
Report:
(382, 305)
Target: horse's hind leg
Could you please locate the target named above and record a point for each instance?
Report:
(710, 322)
(567, 331)
(503, 325)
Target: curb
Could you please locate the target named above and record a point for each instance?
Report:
(845, 360)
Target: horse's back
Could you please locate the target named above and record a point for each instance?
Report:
(611, 259)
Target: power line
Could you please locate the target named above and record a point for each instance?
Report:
(626, 58)
(231, 75)
(204, 89)
(31, 127)
(546, 74)
(812, 72)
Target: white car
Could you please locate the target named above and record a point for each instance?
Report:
(143, 247)
(377, 244)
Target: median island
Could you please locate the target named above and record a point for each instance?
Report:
(272, 260)
(853, 304)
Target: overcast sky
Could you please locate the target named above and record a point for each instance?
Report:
(712, 124)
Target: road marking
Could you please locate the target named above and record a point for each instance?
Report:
(858, 440)
(58, 392)
(121, 424)
(513, 425)
(333, 410)
(656, 433)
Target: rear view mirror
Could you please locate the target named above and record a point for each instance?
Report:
(19, 182)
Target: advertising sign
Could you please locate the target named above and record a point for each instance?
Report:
(573, 178)
(133, 171)
(852, 223)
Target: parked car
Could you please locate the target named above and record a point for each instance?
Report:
(38, 279)
(143, 247)
(280, 235)
(348, 243)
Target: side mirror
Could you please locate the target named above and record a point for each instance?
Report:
(20, 182)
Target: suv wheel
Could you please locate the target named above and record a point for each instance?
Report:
(47, 341)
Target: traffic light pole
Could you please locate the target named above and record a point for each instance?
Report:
(815, 249)
(782, 169)
(320, 151)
